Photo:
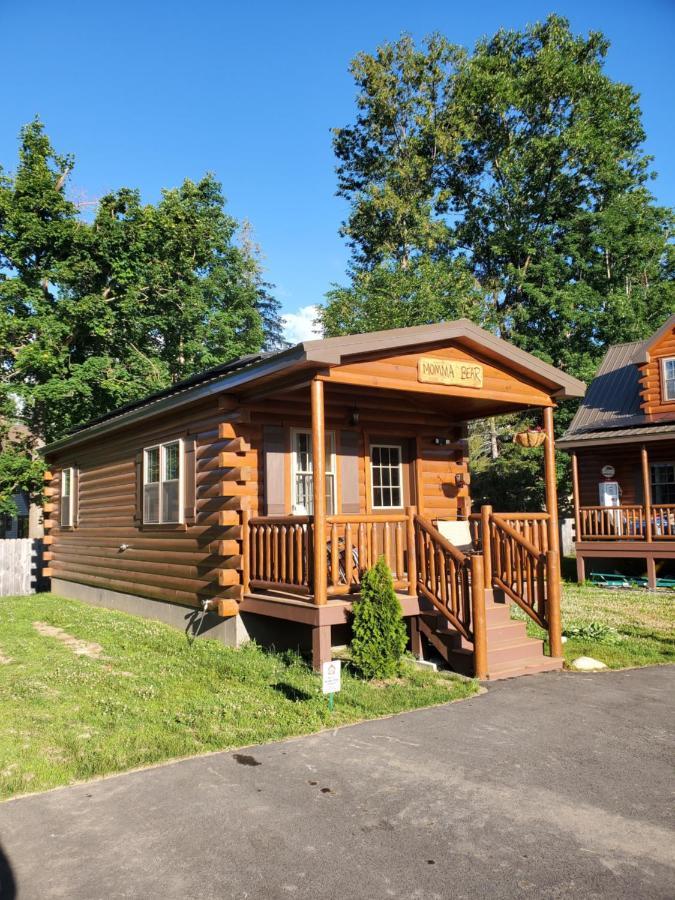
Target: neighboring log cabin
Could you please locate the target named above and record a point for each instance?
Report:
(259, 491)
(622, 443)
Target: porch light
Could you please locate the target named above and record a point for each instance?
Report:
(441, 441)
(354, 417)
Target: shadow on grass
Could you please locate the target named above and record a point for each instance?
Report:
(291, 692)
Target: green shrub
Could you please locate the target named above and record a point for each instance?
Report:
(380, 635)
(592, 631)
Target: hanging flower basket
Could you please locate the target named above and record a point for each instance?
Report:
(530, 438)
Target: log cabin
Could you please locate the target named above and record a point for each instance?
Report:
(248, 500)
(622, 444)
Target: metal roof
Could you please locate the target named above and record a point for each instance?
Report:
(611, 407)
(323, 353)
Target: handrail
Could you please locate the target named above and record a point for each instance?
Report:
(516, 535)
(524, 572)
(367, 519)
(442, 541)
(453, 583)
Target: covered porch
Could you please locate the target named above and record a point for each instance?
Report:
(305, 564)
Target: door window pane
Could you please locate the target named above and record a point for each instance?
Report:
(385, 466)
(303, 499)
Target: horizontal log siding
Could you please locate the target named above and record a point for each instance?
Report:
(182, 565)
(381, 416)
(650, 380)
(626, 460)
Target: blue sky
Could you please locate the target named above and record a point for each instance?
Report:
(147, 93)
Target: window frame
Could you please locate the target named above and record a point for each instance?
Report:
(665, 396)
(330, 436)
(653, 483)
(161, 446)
(384, 446)
(70, 497)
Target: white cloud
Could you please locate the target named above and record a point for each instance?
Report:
(299, 326)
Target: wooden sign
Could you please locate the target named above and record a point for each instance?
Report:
(432, 370)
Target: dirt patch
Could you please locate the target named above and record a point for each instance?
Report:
(4, 660)
(79, 648)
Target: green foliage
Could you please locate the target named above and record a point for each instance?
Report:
(21, 467)
(379, 631)
(508, 184)
(149, 697)
(592, 631)
(95, 314)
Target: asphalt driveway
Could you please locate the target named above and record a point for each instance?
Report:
(555, 785)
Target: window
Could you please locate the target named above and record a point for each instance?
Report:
(303, 479)
(386, 476)
(668, 378)
(663, 483)
(67, 497)
(162, 484)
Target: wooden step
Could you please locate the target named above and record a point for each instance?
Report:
(510, 651)
(545, 664)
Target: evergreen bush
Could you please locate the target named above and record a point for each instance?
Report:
(379, 632)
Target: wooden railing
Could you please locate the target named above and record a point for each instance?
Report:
(663, 522)
(533, 526)
(612, 523)
(519, 568)
(453, 583)
(519, 560)
(626, 523)
(355, 543)
(280, 553)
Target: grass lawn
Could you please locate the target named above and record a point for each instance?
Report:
(110, 692)
(641, 625)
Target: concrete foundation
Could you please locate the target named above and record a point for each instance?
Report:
(230, 631)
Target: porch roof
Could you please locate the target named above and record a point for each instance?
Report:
(268, 368)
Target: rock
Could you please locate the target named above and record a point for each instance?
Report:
(587, 664)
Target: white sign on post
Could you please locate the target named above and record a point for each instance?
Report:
(331, 676)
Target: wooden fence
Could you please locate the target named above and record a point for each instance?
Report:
(20, 566)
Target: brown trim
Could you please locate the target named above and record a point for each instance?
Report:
(607, 441)
(163, 526)
(643, 356)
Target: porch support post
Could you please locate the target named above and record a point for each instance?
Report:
(321, 646)
(480, 650)
(486, 541)
(647, 492)
(553, 604)
(575, 496)
(550, 481)
(320, 567)
(411, 512)
(553, 554)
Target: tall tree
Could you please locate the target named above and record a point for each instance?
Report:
(520, 164)
(508, 184)
(94, 314)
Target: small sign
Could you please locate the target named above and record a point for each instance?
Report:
(432, 370)
(608, 471)
(331, 671)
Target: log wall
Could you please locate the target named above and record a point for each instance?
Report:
(181, 563)
(651, 386)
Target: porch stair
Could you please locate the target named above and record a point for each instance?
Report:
(510, 652)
